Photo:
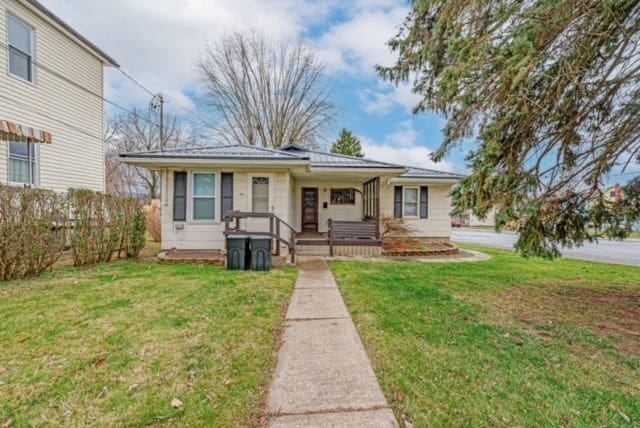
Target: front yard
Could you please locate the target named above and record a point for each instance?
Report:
(114, 345)
(506, 342)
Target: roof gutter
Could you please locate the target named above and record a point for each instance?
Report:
(208, 161)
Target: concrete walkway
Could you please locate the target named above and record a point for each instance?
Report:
(323, 377)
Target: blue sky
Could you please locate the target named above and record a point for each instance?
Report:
(159, 42)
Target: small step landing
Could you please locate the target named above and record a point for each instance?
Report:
(210, 257)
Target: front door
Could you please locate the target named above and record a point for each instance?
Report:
(309, 210)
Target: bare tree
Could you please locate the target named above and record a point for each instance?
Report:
(266, 93)
(138, 131)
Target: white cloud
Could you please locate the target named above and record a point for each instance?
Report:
(387, 97)
(402, 147)
(158, 41)
(358, 44)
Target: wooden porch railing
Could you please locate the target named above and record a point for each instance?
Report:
(275, 229)
(364, 233)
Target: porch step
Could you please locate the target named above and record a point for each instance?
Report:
(312, 250)
(312, 242)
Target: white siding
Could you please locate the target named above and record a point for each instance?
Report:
(209, 236)
(73, 116)
(438, 223)
(346, 212)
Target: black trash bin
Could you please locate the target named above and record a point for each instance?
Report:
(238, 252)
(261, 253)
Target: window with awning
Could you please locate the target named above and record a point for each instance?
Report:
(23, 152)
(11, 131)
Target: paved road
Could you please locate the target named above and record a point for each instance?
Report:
(625, 252)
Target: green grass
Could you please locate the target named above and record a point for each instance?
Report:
(505, 342)
(113, 345)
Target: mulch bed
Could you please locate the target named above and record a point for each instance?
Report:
(417, 248)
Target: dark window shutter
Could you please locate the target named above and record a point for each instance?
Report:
(179, 196)
(397, 202)
(424, 202)
(226, 199)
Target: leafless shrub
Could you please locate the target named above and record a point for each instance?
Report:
(31, 221)
(35, 225)
(395, 227)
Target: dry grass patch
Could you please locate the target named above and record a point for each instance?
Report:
(611, 313)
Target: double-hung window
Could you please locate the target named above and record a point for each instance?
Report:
(204, 196)
(20, 49)
(260, 194)
(23, 163)
(411, 202)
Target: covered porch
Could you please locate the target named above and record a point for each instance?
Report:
(337, 218)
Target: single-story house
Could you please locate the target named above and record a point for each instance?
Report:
(293, 192)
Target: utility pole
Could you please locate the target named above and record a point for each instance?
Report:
(158, 102)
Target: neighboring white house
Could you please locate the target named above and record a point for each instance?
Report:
(303, 188)
(51, 107)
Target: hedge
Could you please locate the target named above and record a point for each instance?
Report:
(37, 225)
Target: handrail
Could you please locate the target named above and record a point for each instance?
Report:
(274, 229)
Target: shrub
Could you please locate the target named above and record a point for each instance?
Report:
(395, 227)
(34, 225)
(154, 220)
(105, 224)
(32, 235)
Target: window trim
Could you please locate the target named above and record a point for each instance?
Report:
(33, 43)
(270, 205)
(342, 189)
(404, 201)
(36, 179)
(216, 197)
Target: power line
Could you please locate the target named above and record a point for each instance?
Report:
(87, 90)
(45, 115)
(168, 97)
(140, 85)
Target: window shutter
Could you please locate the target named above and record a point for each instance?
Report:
(397, 202)
(226, 199)
(424, 202)
(179, 196)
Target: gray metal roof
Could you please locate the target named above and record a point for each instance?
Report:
(289, 153)
(231, 152)
(413, 172)
(330, 160)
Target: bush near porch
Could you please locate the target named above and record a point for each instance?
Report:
(506, 342)
(113, 345)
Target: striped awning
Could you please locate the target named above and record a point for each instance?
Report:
(15, 132)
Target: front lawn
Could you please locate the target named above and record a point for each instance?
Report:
(114, 345)
(506, 342)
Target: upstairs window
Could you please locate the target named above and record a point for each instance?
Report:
(23, 163)
(20, 49)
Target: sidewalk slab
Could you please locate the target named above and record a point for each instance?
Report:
(315, 303)
(322, 367)
(382, 418)
(315, 279)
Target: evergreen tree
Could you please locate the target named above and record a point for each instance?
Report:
(347, 144)
(549, 91)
